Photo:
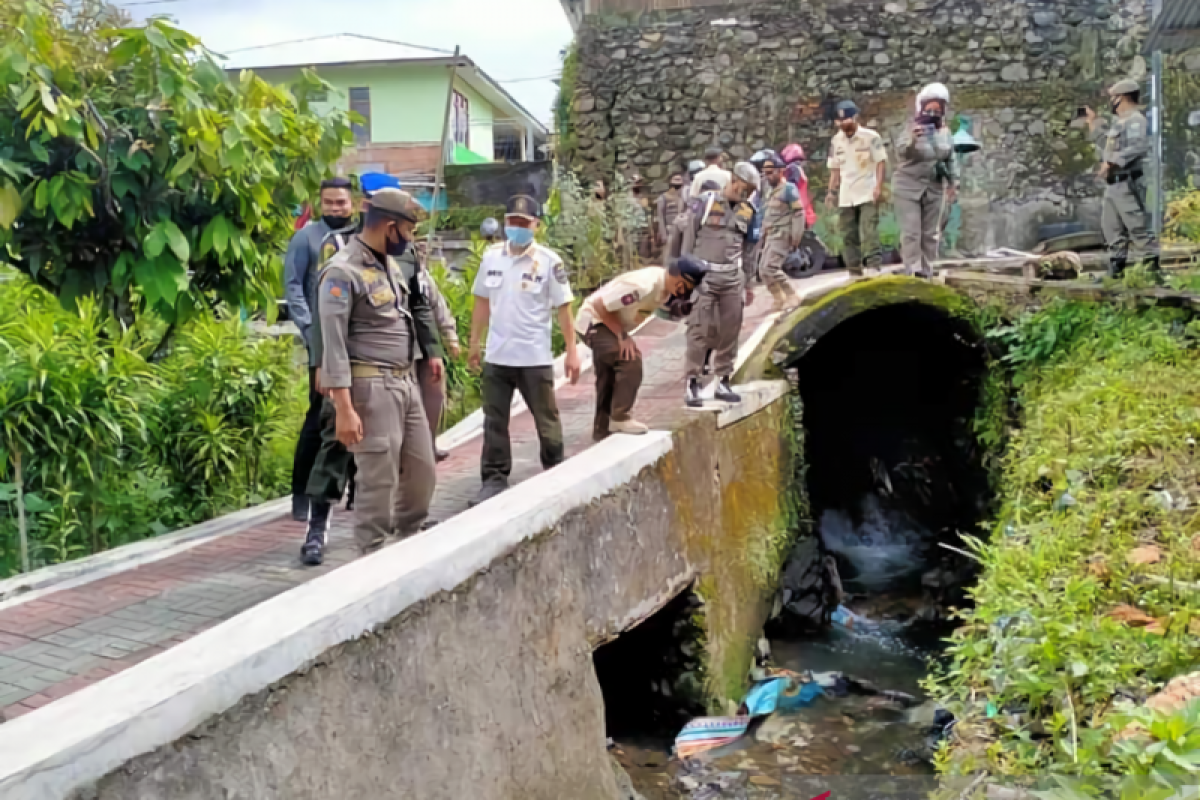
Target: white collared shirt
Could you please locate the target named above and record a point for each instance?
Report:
(523, 290)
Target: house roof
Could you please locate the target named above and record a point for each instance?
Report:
(333, 51)
(1177, 27)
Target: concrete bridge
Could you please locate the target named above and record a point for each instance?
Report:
(458, 663)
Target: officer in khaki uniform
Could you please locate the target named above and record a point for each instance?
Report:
(713, 229)
(606, 322)
(782, 229)
(370, 343)
(1122, 148)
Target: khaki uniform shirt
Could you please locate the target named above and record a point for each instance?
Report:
(668, 207)
(628, 296)
(714, 229)
(1124, 143)
(855, 158)
(365, 317)
(783, 213)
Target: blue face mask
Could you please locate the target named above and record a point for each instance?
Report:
(518, 236)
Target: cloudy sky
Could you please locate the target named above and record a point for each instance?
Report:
(513, 41)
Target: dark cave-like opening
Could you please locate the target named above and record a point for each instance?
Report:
(892, 462)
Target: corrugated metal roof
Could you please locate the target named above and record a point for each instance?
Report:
(1176, 28)
(338, 48)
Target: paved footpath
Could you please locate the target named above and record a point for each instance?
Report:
(60, 641)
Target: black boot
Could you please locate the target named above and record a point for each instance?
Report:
(312, 554)
(725, 392)
(693, 398)
(300, 507)
(1116, 267)
(487, 491)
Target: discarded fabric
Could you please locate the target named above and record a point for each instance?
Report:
(780, 694)
(708, 733)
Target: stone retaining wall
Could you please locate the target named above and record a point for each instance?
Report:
(654, 89)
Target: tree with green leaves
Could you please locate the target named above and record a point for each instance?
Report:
(133, 168)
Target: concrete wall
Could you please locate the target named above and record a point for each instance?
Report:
(654, 89)
(457, 663)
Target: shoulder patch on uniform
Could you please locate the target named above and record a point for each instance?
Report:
(629, 299)
(336, 289)
(560, 272)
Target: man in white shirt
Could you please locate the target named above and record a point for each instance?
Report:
(713, 157)
(519, 285)
(857, 164)
(606, 320)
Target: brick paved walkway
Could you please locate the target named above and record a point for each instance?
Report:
(61, 641)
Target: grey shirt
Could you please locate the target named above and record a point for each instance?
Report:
(917, 164)
(301, 267)
(1124, 143)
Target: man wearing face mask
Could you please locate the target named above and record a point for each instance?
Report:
(305, 255)
(333, 471)
(370, 346)
(713, 229)
(1123, 145)
(518, 290)
(782, 229)
(666, 209)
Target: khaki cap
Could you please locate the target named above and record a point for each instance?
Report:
(1126, 86)
(397, 203)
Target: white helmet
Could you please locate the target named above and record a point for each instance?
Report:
(934, 91)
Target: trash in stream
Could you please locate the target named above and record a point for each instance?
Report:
(785, 693)
(709, 733)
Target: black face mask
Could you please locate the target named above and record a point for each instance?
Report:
(397, 249)
(336, 223)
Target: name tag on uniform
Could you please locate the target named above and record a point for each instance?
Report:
(493, 279)
(532, 282)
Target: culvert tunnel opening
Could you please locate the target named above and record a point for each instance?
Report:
(893, 466)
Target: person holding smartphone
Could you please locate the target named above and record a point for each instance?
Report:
(924, 183)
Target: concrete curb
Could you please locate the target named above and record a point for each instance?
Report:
(32, 585)
(61, 747)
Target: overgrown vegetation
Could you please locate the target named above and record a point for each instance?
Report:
(1089, 599)
(135, 170)
(112, 448)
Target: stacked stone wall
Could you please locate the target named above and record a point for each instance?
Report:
(654, 89)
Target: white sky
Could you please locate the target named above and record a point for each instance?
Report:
(514, 39)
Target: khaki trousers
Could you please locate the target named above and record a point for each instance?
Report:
(715, 323)
(773, 252)
(396, 469)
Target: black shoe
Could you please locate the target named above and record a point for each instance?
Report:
(487, 492)
(440, 455)
(693, 398)
(300, 507)
(429, 523)
(1116, 267)
(725, 393)
(312, 554)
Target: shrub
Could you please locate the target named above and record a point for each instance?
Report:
(113, 448)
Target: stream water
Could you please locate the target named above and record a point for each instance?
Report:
(888, 642)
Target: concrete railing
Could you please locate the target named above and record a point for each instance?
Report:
(456, 663)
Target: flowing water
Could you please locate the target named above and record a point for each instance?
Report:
(886, 641)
